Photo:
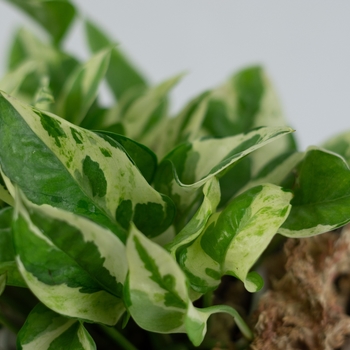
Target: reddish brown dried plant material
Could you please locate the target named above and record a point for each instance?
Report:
(306, 308)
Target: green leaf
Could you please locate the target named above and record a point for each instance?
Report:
(77, 170)
(141, 117)
(121, 75)
(46, 330)
(339, 144)
(43, 98)
(196, 225)
(235, 238)
(5, 195)
(80, 89)
(55, 16)
(276, 171)
(321, 200)
(156, 292)
(49, 62)
(12, 81)
(247, 101)
(8, 266)
(69, 262)
(143, 157)
(190, 165)
(186, 126)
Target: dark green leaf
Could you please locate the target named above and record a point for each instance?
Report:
(121, 75)
(55, 16)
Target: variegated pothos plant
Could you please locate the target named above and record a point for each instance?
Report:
(117, 212)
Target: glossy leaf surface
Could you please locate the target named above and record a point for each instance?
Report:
(74, 171)
(69, 262)
(234, 239)
(321, 201)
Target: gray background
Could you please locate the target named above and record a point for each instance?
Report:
(304, 46)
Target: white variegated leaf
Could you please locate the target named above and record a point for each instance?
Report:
(52, 256)
(14, 78)
(234, 239)
(45, 330)
(81, 88)
(137, 120)
(190, 165)
(196, 225)
(78, 170)
(156, 294)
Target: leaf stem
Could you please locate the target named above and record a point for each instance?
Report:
(118, 337)
(9, 324)
(243, 327)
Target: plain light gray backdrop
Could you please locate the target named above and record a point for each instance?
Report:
(304, 46)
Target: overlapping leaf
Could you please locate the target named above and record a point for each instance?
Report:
(144, 158)
(196, 225)
(44, 330)
(147, 110)
(77, 170)
(55, 16)
(80, 89)
(190, 165)
(246, 101)
(234, 239)
(14, 78)
(72, 265)
(49, 62)
(322, 195)
(121, 75)
(339, 144)
(156, 293)
(8, 266)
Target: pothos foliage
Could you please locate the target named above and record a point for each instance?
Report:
(122, 211)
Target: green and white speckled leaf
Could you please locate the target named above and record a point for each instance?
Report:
(80, 89)
(235, 238)
(190, 165)
(55, 16)
(246, 101)
(121, 75)
(43, 98)
(14, 78)
(339, 144)
(49, 60)
(186, 126)
(46, 330)
(143, 114)
(321, 195)
(8, 266)
(143, 157)
(196, 225)
(97, 250)
(64, 266)
(156, 293)
(77, 170)
(276, 171)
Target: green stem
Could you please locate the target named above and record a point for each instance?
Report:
(243, 327)
(118, 337)
(208, 299)
(9, 324)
